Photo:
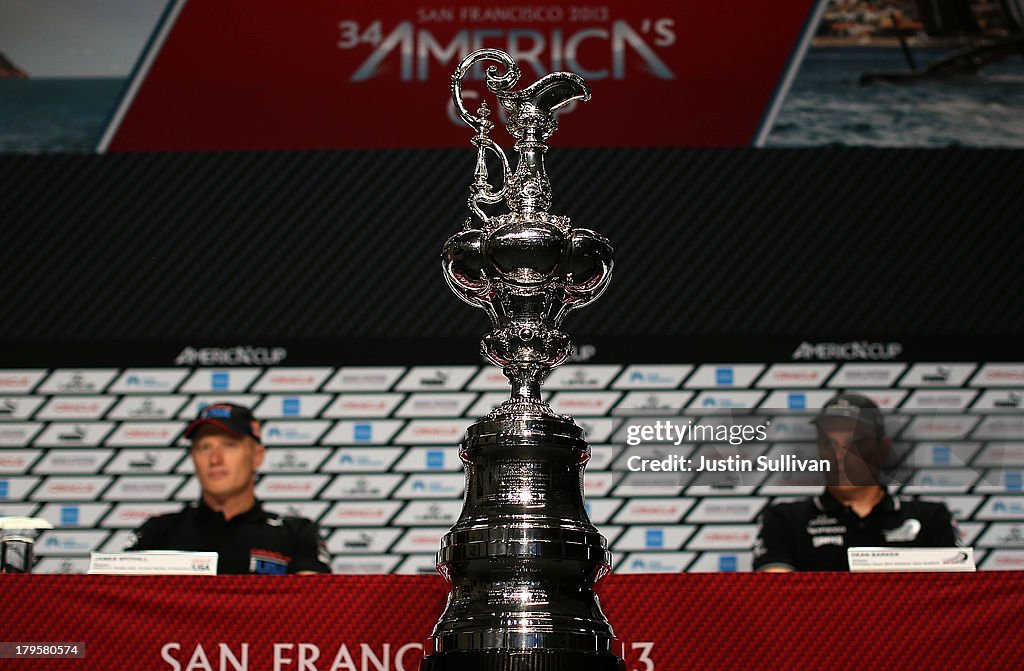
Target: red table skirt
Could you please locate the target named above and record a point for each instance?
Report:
(666, 622)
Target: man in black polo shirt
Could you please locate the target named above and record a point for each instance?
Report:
(227, 519)
(854, 510)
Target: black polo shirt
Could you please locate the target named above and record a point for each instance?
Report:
(814, 534)
(255, 541)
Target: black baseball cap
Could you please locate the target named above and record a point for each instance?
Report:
(853, 406)
(233, 418)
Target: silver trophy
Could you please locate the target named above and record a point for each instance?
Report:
(523, 557)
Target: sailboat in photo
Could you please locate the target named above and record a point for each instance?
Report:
(953, 18)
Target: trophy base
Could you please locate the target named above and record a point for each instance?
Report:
(524, 660)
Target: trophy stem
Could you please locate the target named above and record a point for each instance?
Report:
(526, 380)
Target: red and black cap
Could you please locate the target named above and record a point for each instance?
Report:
(856, 407)
(233, 418)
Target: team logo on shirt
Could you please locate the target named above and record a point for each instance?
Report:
(818, 541)
(904, 533)
(265, 562)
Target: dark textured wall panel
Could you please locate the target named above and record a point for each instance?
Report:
(823, 242)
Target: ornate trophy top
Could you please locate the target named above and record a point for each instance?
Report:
(527, 268)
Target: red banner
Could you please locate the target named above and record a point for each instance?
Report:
(667, 622)
(264, 74)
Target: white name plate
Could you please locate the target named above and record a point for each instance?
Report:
(911, 559)
(154, 562)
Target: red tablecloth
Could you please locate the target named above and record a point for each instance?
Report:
(680, 621)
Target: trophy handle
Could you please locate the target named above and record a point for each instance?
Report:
(496, 83)
(481, 190)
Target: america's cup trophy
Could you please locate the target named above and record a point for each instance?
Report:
(523, 557)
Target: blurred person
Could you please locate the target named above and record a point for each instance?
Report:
(228, 519)
(855, 510)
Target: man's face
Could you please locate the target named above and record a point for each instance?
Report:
(225, 462)
(855, 450)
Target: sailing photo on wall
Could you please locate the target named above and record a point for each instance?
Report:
(910, 73)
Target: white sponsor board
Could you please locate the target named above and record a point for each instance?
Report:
(733, 376)
(652, 376)
(799, 375)
(363, 406)
(937, 375)
(148, 407)
(859, 375)
(364, 378)
(284, 379)
(724, 537)
(75, 407)
(145, 434)
(431, 404)
(436, 378)
(292, 406)
(78, 381)
(148, 381)
(654, 562)
(999, 375)
(20, 381)
(223, 380)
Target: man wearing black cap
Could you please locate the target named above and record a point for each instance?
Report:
(227, 519)
(854, 510)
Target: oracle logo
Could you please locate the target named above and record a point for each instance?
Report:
(146, 433)
(430, 541)
(72, 488)
(581, 403)
(135, 514)
(364, 405)
(656, 510)
(796, 375)
(288, 486)
(941, 426)
(1005, 374)
(1002, 452)
(293, 379)
(16, 381)
(71, 407)
(364, 513)
(884, 401)
(440, 431)
(721, 536)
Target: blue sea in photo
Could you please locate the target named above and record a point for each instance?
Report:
(827, 105)
(56, 115)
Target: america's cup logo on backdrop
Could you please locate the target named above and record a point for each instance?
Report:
(324, 74)
(595, 50)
